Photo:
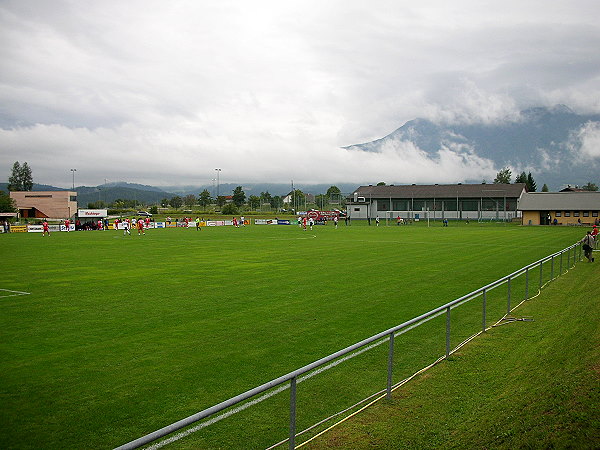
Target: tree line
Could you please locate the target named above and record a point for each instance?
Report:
(504, 176)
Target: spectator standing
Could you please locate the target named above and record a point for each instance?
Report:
(588, 246)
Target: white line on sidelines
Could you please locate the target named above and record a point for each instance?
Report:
(13, 293)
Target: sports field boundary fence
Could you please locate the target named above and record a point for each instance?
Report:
(535, 276)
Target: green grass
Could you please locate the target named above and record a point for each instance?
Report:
(523, 385)
(123, 335)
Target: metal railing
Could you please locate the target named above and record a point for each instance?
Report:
(556, 261)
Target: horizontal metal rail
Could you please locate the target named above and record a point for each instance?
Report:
(293, 376)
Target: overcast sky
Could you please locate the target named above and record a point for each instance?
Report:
(164, 92)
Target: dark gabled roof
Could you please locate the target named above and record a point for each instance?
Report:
(442, 191)
(560, 201)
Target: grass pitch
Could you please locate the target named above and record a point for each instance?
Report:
(121, 335)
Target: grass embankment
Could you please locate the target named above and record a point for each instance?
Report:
(522, 385)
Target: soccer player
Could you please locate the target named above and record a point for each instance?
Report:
(126, 227)
(67, 224)
(46, 228)
(140, 226)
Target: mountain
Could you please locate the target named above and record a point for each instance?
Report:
(552, 143)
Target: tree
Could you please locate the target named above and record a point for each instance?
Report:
(545, 188)
(531, 185)
(176, 202)
(333, 190)
(276, 202)
(590, 187)
(265, 197)
(503, 177)
(204, 199)
(254, 201)
(239, 197)
(229, 209)
(20, 178)
(381, 183)
(153, 209)
(164, 202)
(522, 178)
(7, 204)
(189, 200)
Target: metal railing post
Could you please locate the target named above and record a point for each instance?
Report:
(484, 311)
(526, 283)
(292, 440)
(447, 332)
(390, 366)
(552, 268)
(569, 259)
(561, 256)
(508, 297)
(541, 273)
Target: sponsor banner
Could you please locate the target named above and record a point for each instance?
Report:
(18, 229)
(284, 222)
(159, 224)
(92, 213)
(217, 223)
(35, 228)
(64, 227)
(265, 221)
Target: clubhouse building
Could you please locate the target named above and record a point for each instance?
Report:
(45, 204)
(560, 208)
(436, 202)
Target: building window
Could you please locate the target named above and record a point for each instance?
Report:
(400, 205)
(356, 209)
(586, 214)
(383, 206)
(594, 213)
(558, 214)
(73, 198)
(576, 214)
(567, 214)
(38, 196)
(470, 205)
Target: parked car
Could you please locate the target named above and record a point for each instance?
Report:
(144, 213)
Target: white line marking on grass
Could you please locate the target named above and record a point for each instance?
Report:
(12, 293)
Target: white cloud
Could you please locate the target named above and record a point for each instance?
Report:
(585, 143)
(155, 91)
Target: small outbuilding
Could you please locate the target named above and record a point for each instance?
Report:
(560, 208)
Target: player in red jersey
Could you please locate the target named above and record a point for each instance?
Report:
(46, 229)
(140, 226)
(67, 224)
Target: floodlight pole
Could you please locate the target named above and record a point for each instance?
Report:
(218, 171)
(73, 171)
